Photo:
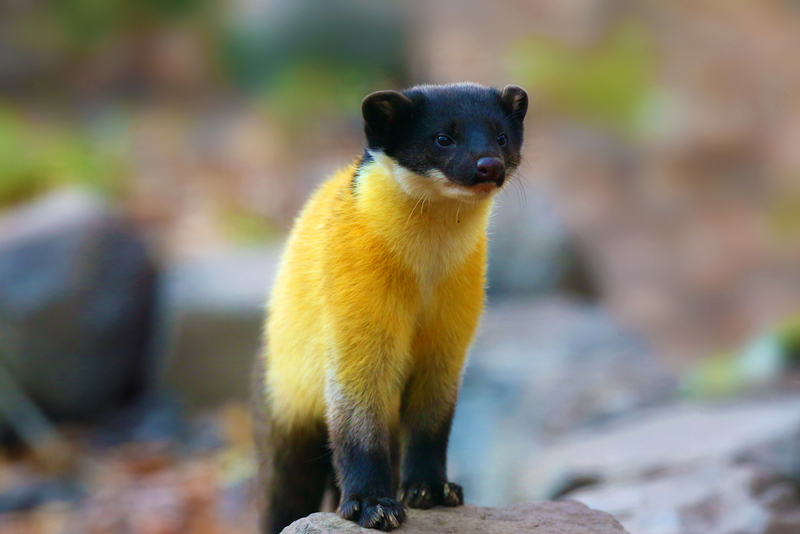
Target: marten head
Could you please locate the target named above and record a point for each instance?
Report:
(460, 140)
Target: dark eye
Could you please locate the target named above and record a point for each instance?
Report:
(501, 139)
(443, 140)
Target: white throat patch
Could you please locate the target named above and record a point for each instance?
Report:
(435, 186)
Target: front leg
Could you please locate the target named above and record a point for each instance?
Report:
(424, 483)
(369, 318)
(362, 393)
(360, 436)
(429, 399)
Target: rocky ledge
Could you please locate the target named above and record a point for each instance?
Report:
(564, 517)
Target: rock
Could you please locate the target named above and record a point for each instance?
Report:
(672, 439)
(714, 499)
(215, 309)
(37, 493)
(687, 469)
(77, 296)
(567, 517)
(531, 252)
(539, 369)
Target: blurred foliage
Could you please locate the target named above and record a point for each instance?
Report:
(789, 332)
(309, 58)
(315, 33)
(303, 94)
(761, 363)
(35, 158)
(84, 24)
(242, 226)
(611, 83)
(784, 216)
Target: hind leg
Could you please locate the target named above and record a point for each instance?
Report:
(293, 469)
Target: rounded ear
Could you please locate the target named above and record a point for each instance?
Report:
(381, 111)
(515, 100)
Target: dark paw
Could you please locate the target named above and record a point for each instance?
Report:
(373, 512)
(424, 495)
(452, 494)
(417, 495)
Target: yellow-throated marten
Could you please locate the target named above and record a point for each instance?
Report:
(376, 302)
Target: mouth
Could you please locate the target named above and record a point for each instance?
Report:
(482, 189)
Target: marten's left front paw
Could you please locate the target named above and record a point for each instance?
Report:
(373, 512)
(424, 495)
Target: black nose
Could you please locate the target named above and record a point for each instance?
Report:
(491, 170)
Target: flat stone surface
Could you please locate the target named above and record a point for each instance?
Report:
(685, 469)
(564, 517)
(715, 499)
(674, 439)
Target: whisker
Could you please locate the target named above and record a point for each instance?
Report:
(522, 194)
(412, 209)
(519, 194)
(426, 198)
(517, 173)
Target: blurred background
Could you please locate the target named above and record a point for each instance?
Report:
(641, 344)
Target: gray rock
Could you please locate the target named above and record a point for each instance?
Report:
(566, 517)
(671, 439)
(714, 499)
(690, 469)
(77, 296)
(531, 252)
(215, 312)
(540, 369)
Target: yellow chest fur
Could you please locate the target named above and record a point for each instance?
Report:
(432, 236)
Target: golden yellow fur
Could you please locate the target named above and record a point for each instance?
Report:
(377, 298)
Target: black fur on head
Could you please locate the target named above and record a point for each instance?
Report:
(470, 133)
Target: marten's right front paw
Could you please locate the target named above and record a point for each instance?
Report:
(424, 495)
(373, 512)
